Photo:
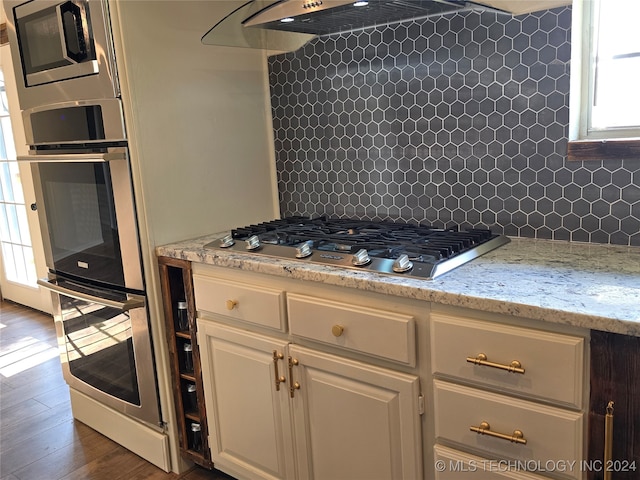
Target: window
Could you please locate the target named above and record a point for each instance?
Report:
(605, 96)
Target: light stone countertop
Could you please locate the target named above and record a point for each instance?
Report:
(586, 285)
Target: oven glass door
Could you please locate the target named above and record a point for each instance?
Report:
(87, 215)
(56, 41)
(99, 348)
(82, 225)
(105, 346)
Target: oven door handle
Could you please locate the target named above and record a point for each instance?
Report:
(134, 301)
(74, 157)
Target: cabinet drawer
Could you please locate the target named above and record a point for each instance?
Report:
(553, 363)
(552, 435)
(374, 332)
(455, 465)
(250, 303)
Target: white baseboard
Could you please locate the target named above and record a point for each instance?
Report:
(141, 439)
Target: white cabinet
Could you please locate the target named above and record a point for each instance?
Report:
(379, 333)
(354, 420)
(249, 419)
(283, 410)
(509, 393)
(454, 465)
(552, 364)
(259, 305)
(553, 435)
(309, 381)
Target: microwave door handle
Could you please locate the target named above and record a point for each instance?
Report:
(74, 157)
(135, 301)
(71, 33)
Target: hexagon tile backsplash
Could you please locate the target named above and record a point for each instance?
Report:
(455, 120)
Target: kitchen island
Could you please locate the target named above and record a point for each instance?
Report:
(564, 314)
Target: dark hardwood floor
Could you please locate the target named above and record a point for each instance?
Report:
(39, 439)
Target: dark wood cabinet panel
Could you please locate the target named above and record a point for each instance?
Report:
(177, 286)
(615, 376)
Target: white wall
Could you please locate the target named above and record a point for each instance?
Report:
(198, 117)
(199, 125)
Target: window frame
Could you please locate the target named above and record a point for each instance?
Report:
(583, 144)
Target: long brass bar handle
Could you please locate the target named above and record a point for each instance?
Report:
(485, 429)
(608, 441)
(293, 386)
(481, 359)
(279, 379)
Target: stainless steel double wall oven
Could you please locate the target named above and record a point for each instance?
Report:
(74, 124)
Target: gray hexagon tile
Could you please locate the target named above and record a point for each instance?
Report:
(455, 120)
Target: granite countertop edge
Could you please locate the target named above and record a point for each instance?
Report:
(584, 285)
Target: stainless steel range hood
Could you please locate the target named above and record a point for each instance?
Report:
(286, 25)
(322, 17)
(230, 32)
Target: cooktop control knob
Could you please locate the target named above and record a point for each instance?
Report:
(303, 250)
(227, 241)
(361, 258)
(402, 264)
(253, 243)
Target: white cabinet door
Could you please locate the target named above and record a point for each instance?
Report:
(249, 418)
(354, 421)
(552, 363)
(452, 464)
(553, 435)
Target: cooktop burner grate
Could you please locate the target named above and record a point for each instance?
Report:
(382, 247)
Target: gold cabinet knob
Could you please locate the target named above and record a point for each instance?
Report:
(231, 304)
(337, 330)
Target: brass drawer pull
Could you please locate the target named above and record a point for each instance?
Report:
(608, 441)
(293, 386)
(481, 359)
(279, 378)
(231, 304)
(485, 429)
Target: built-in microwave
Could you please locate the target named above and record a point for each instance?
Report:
(61, 51)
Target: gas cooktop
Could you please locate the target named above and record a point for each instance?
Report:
(383, 247)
